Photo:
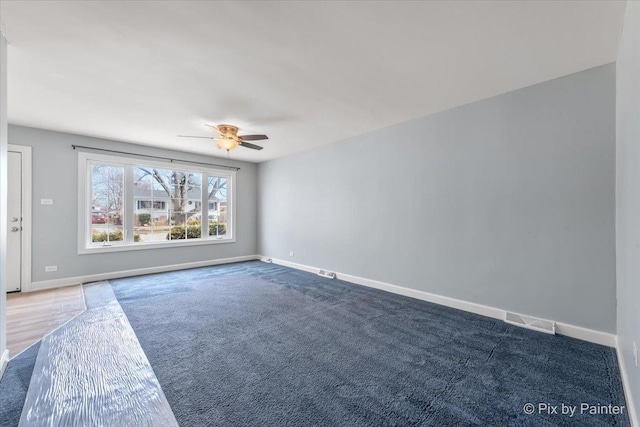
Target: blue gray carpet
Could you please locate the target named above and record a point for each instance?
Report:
(254, 344)
(14, 386)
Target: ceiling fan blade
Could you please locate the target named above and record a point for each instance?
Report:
(252, 137)
(213, 127)
(191, 136)
(249, 145)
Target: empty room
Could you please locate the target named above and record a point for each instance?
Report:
(319, 213)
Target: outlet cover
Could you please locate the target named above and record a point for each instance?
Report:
(50, 268)
(291, 253)
(46, 201)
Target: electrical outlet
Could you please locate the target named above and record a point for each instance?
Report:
(291, 253)
(635, 353)
(46, 201)
(50, 268)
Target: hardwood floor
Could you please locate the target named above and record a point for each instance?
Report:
(32, 315)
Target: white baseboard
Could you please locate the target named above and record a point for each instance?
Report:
(425, 296)
(586, 334)
(631, 409)
(598, 337)
(3, 362)
(293, 265)
(68, 281)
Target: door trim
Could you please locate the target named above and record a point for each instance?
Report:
(26, 214)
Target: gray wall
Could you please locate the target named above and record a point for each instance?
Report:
(507, 202)
(628, 194)
(54, 237)
(3, 193)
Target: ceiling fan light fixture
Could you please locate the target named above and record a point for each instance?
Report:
(227, 143)
(229, 139)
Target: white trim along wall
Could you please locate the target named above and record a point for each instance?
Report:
(3, 200)
(26, 213)
(626, 387)
(70, 281)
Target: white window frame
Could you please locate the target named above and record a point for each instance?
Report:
(84, 203)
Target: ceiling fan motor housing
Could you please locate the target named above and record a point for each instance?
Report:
(228, 131)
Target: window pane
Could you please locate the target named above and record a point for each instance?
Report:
(162, 180)
(195, 179)
(217, 189)
(151, 220)
(178, 205)
(217, 199)
(142, 215)
(192, 206)
(98, 216)
(142, 183)
(178, 226)
(112, 233)
(194, 192)
(99, 233)
(150, 234)
(178, 192)
(107, 203)
(217, 228)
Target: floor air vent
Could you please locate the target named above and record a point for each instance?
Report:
(546, 326)
(327, 274)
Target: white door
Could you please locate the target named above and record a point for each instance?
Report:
(14, 217)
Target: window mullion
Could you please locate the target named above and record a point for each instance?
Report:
(230, 205)
(88, 204)
(128, 203)
(204, 199)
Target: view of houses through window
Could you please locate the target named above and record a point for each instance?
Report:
(162, 205)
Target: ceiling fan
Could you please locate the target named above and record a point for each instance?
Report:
(228, 138)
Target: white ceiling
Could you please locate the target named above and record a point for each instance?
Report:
(306, 73)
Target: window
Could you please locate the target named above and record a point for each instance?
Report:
(146, 204)
(126, 204)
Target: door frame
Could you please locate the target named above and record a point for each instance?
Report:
(26, 214)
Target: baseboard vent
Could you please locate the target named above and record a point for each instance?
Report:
(327, 274)
(541, 325)
(269, 260)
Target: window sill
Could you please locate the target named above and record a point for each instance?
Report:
(151, 245)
